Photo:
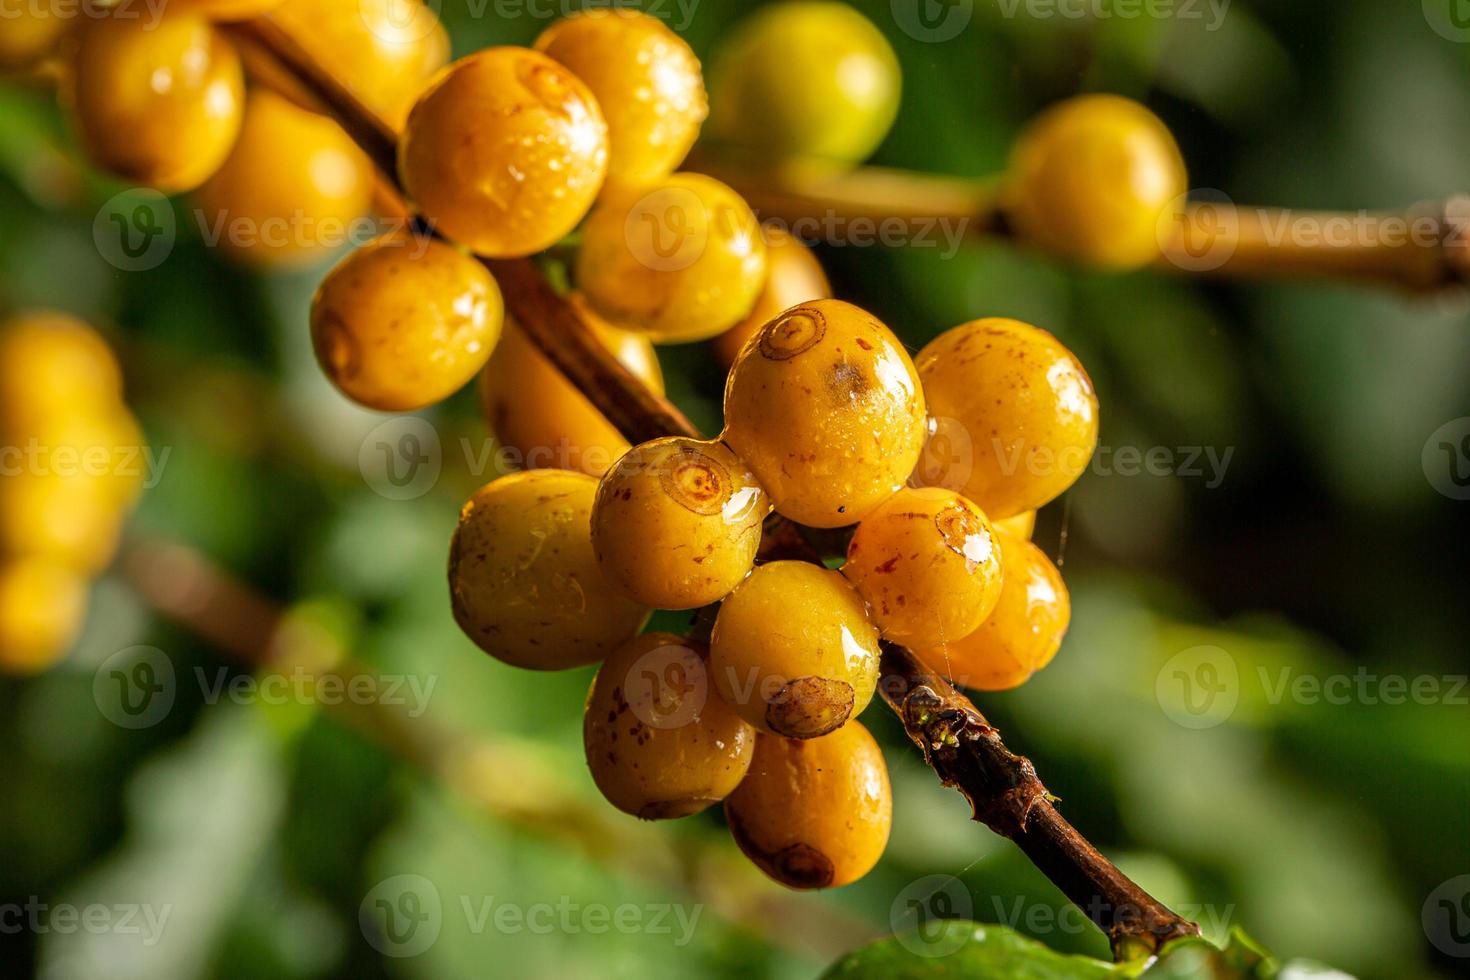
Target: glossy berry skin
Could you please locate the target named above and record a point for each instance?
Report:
(383, 51)
(504, 152)
(31, 32)
(659, 743)
(793, 650)
(1021, 525)
(810, 81)
(1016, 413)
(647, 81)
(42, 606)
(405, 322)
(535, 411)
(681, 260)
(160, 104)
(678, 522)
(295, 185)
(825, 407)
(53, 365)
(1095, 179)
(1022, 633)
(523, 579)
(928, 564)
(793, 276)
(814, 813)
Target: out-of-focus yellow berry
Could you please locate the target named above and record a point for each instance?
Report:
(227, 9)
(157, 104)
(31, 31)
(928, 564)
(1021, 525)
(680, 260)
(52, 364)
(292, 189)
(806, 81)
(383, 51)
(1015, 415)
(535, 411)
(1092, 178)
(659, 742)
(405, 322)
(793, 650)
(647, 81)
(1021, 635)
(814, 813)
(524, 581)
(678, 522)
(824, 406)
(42, 607)
(505, 152)
(793, 275)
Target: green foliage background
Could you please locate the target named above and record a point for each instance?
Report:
(1321, 828)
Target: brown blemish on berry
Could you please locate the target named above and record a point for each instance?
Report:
(809, 707)
(696, 481)
(798, 865)
(796, 332)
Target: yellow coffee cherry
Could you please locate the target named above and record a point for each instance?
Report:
(680, 260)
(793, 650)
(1021, 525)
(524, 581)
(793, 275)
(928, 564)
(383, 51)
(535, 411)
(678, 522)
(405, 322)
(805, 80)
(814, 813)
(1091, 180)
(157, 104)
(659, 743)
(52, 364)
(1022, 633)
(42, 607)
(292, 189)
(31, 31)
(645, 78)
(505, 152)
(824, 406)
(1015, 415)
(227, 9)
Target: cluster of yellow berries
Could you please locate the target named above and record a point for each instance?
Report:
(71, 464)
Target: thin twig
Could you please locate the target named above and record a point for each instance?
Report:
(959, 745)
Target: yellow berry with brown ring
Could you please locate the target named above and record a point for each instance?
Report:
(681, 260)
(678, 522)
(825, 407)
(383, 51)
(156, 104)
(292, 190)
(928, 564)
(1017, 413)
(32, 31)
(1094, 180)
(53, 364)
(504, 152)
(405, 322)
(42, 607)
(645, 78)
(814, 813)
(793, 276)
(524, 581)
(1022, 634)
(794, 651)
(660, 743)
(540, 416)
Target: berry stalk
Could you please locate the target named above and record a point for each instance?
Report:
(958, 744)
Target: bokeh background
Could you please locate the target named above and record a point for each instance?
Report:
(1322, 549)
